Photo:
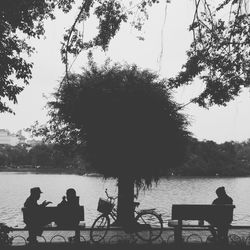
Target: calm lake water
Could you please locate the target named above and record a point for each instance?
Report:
(14, 189)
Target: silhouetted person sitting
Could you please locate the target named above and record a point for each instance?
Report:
(222, 224)
(71, 200)
(35, 223)
(68, 207)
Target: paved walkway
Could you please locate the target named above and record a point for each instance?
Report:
(237, 236)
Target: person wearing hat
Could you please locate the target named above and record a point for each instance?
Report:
(31, 201)
(221, 224)
(35, 223)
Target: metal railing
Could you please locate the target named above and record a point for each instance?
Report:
(17, 236)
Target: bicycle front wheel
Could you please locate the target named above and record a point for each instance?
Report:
(151, 226)
(99, 228)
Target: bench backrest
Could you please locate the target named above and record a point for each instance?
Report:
(47, 215)
(202, 212)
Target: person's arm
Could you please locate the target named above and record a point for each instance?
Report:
(63, 202)
(45, 203)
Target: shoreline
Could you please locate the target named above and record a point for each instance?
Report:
(94, 174)
(42, 171)
(50, 171)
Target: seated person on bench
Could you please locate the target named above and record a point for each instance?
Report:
(35, 225)
(221, 224)
(71, 201)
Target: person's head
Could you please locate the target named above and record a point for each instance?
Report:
(71, 194)
(35, 192)
(220, 191)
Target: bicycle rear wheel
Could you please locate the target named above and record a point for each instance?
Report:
(99, 228)
(151, 226)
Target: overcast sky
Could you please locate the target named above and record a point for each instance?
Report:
(170, 40)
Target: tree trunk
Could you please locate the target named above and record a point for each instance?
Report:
(125, 208)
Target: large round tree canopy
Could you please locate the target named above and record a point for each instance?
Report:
(127, 119)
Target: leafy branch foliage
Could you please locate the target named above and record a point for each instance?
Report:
(23, 19)
(124, 118)
(27, 17)
(219, 53)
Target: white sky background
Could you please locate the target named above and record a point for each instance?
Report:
(218, 123)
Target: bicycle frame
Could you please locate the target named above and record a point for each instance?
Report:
(113, 212)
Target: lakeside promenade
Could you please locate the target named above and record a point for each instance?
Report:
(128, 247)
(238, 236)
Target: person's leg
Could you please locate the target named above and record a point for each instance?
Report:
(223, 233)
(34, 231)
(38, 231)
(32, 236)
(213, 232)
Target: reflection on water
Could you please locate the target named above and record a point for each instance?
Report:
(14, 189)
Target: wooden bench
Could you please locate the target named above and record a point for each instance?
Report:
(201, 213)
(64, 218)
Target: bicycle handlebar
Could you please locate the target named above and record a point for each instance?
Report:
(114, 198)
(110, 197)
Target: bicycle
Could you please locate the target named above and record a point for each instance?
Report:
(151, 221)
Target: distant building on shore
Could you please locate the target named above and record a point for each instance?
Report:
(33, 142)
(10, 138)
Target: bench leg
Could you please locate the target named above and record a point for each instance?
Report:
(178, 232)
(77, 235)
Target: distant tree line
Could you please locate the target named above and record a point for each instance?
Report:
(42, 156)
(204, 158)
(207, 158)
